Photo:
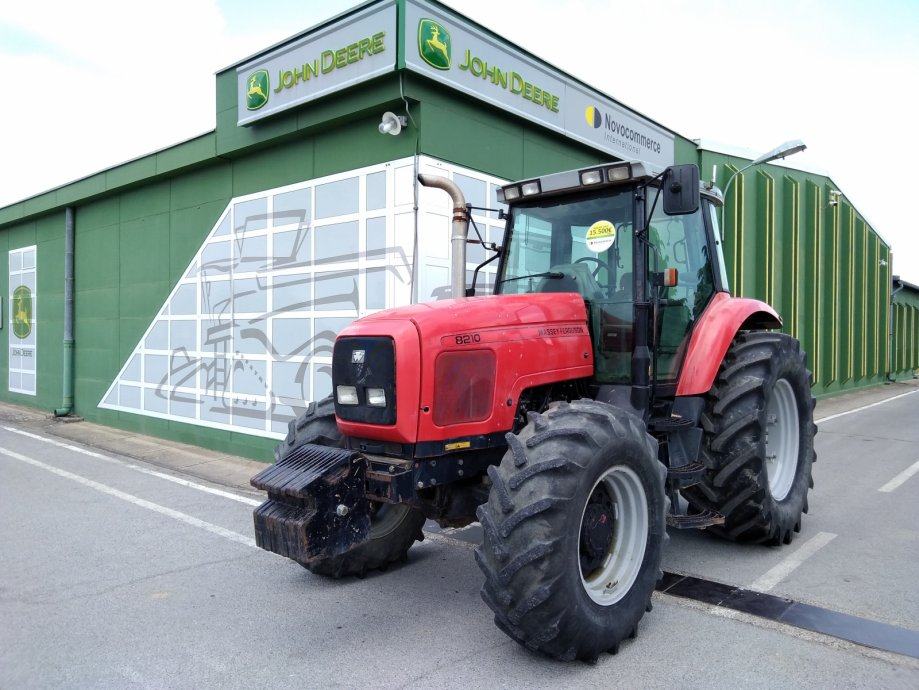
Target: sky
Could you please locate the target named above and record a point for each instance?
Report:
(95, 83)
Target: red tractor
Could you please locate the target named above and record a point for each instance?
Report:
(611, 386)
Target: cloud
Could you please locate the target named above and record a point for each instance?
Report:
(101, 82)
(836, 74)
(123, 79)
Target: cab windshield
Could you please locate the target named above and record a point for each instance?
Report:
(587, 240)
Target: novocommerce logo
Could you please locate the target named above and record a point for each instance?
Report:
(593, 117)
(257, 88)
(434, 45)
(618, 132)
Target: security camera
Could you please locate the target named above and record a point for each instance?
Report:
(392, 123)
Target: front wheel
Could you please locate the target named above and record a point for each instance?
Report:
(574, 528)
(393, 528)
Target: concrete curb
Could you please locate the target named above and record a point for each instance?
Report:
(220, 468)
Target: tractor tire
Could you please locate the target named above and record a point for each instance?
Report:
(393, 528)
(580, 490)
(758, 443)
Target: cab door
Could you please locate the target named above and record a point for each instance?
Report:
(679, 242)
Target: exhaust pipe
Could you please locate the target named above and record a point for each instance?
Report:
(460, 230)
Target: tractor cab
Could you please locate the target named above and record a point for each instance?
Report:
(605, 233)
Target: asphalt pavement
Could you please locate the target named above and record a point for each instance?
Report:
(118, 573)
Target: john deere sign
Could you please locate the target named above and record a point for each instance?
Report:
(21, 304)
(328, 59)
(457, 53)
(434, 44)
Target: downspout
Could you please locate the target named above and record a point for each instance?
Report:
(891, 366)
(67, 393)
(460, 230)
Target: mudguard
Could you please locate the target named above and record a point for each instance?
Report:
(712, 335)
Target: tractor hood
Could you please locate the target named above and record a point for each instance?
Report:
(454, 315)
(461, 364)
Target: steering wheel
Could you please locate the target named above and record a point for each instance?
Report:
(600, 264)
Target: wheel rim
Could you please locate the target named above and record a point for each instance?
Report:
(782, 439)
(613, 535)
(384, 518)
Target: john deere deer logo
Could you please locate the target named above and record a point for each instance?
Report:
(22, 312)
(257, 90)
(434, 44)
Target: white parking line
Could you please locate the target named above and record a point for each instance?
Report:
(864, 407)
(138, 468)
(143, 503)
(900, 478)
(783, 569)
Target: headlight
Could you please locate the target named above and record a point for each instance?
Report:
(619, 173)
(530, 188)
(376, 397)
(511, 193)
(347, 395)
(591, 176)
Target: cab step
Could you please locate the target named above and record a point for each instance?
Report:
(707, 518)
(667, 425)
(685, 475)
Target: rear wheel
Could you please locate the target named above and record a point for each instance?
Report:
(759, 440)
(574, 527)
(393, 528)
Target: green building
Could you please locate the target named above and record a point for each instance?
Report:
(211, 277)
(904, 330)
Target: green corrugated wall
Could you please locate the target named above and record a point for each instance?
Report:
(791, 239)
(905, 333)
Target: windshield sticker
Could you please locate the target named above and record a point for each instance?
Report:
(600, 236)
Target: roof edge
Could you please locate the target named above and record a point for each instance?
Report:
(704, 144)
(750, 155)
(905, 283)
(52, 205)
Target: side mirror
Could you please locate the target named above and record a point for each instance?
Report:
(680, 189)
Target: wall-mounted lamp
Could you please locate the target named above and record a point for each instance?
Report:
(392, 123)
(789, 148)
(835, 195)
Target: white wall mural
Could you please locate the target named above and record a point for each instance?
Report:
(23, 305)
(245, 338)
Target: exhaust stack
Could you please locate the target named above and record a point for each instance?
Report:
(460, 230)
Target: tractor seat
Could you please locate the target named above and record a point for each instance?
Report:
(578, 278)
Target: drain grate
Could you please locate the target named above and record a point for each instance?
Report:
(862, 631)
